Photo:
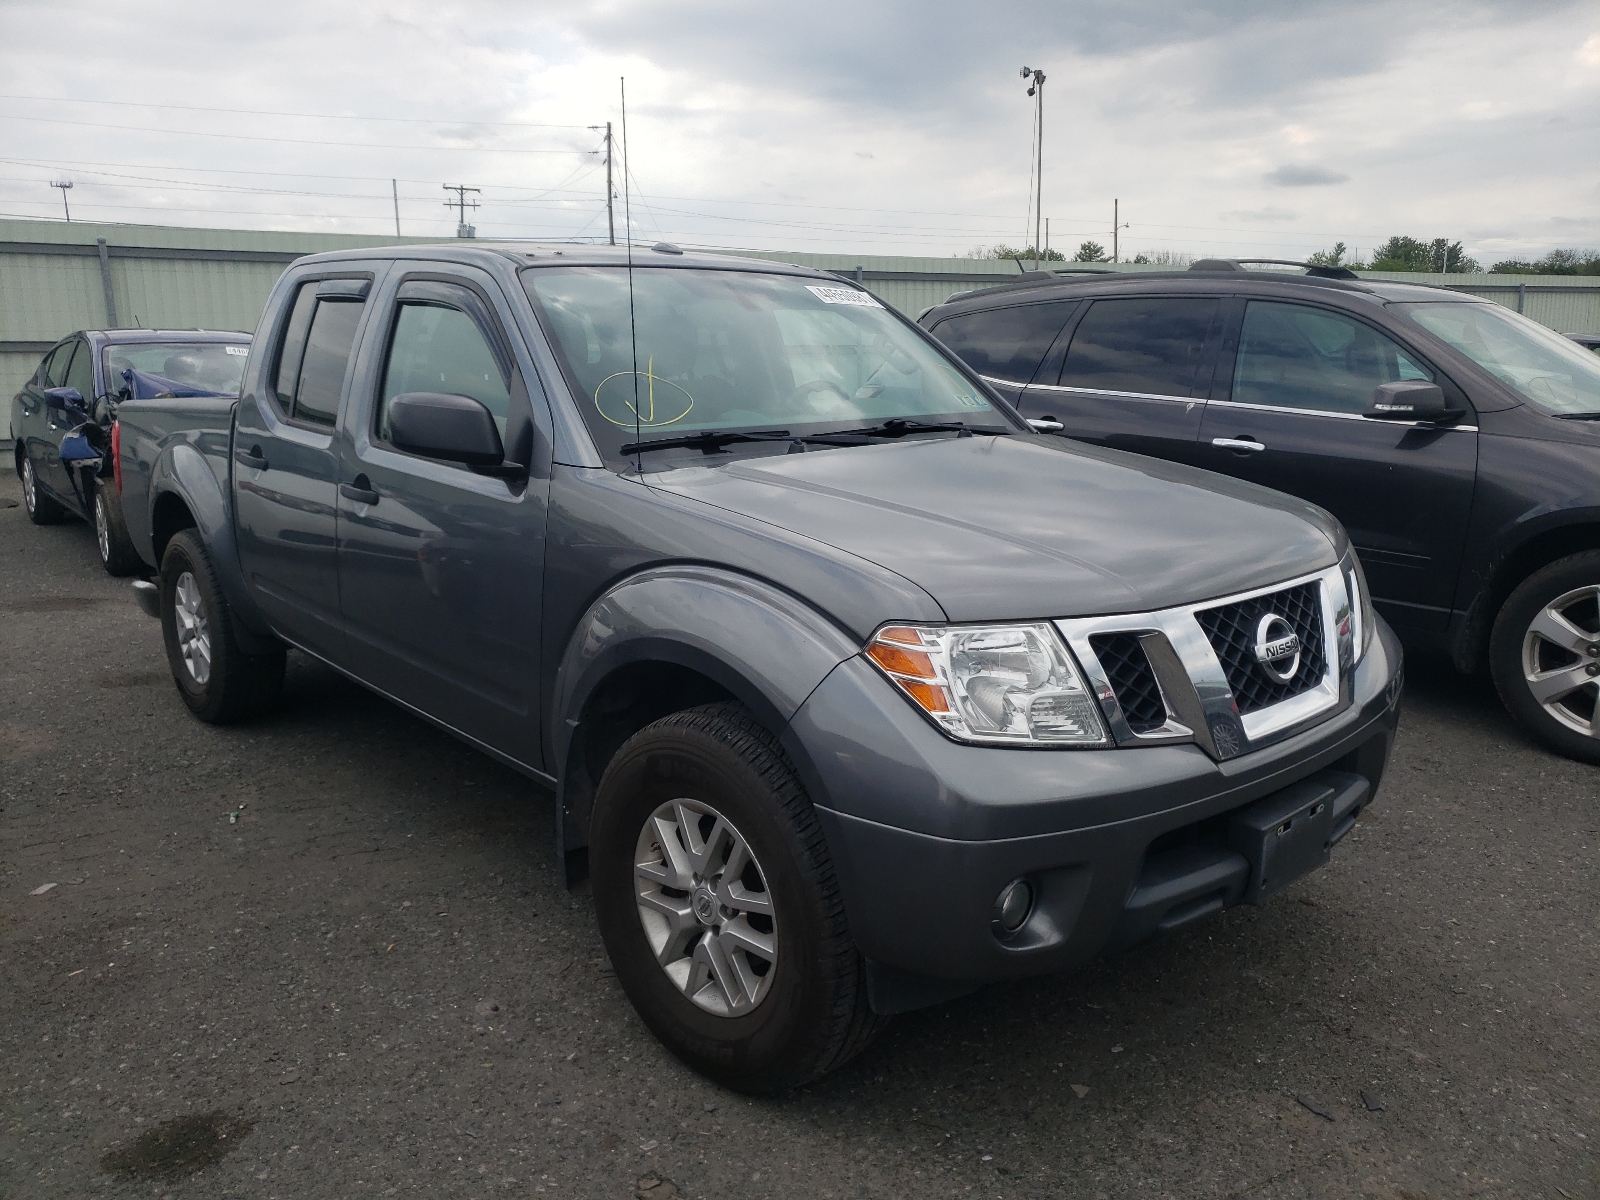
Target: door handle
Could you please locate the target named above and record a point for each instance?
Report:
(360, 491)
(252, 458)
(1240, 445)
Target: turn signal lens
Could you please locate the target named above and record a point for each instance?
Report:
(995, 684)
(1360, 604)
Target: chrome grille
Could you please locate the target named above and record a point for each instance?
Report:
(1231, 629)
(1128, 672)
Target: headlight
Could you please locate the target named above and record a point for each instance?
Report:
(1010, 685)
(1355, 582)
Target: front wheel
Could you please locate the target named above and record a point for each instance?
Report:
(217, 680)
(117, 554)
(719, 907)
(1545, 655)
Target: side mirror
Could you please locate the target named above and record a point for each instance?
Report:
(1409, 400)
(62, 397)
(455, 428)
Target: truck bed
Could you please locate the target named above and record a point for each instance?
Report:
(161, 436)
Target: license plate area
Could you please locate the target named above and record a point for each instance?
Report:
(1285, 835)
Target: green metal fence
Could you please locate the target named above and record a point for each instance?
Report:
(57, 277)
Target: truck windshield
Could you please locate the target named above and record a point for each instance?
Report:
(1543, 367)
(731, 350)
(215, 367)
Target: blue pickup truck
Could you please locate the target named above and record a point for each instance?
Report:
(855, 691)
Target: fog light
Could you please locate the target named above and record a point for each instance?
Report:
(1014, 905)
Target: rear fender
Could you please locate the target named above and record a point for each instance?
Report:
(183, 471)
(758, 643)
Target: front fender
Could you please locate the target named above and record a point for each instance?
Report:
(181, 470)
(761, 644)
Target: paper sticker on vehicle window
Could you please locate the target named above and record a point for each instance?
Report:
(842, 295)
(241, 351)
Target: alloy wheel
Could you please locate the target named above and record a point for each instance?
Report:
(194, 629)
(102, 527)
(30, 497)
(705, 907)
(1561, 659)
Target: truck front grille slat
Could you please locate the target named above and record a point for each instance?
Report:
(1128, 671)
(1231, 629)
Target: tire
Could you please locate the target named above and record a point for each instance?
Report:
(217, 680)
(41, 509)
(117, 554)
(806, 1013)
(1545, 655)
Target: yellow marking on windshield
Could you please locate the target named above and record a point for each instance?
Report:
(647, 417)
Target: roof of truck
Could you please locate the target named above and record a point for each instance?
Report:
(661, 254)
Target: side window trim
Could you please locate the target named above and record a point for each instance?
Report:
(1228, 357)
(360, 284)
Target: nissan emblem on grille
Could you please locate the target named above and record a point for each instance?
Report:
(1277, 648)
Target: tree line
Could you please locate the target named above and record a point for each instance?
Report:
(1399, 253)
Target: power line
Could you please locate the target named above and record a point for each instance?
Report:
(260, 112)
(250, 137)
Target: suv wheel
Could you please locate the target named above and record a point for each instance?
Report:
(117, 554)
(719, 907)
(41, 509)
(217, 680)
(1545, 654)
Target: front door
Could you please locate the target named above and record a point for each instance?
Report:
(285, 466)
(1288, 415)
(440, 567)
(1134, 374)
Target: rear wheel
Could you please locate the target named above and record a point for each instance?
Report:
(117, 554)
(1545, 654)
(719, 907)
(41, 509)
(217, 680)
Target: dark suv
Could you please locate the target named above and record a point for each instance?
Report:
(1458, 442)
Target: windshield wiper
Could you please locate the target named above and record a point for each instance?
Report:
(1580, 416)
(899, 427)
(709, 440)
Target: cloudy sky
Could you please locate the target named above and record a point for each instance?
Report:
(1225, 127)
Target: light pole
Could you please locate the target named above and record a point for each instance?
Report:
(1036, 90)
(64, 184)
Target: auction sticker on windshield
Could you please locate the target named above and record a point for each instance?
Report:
(241, 351)
(839, 295)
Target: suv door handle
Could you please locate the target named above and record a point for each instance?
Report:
(252, 458)
(360, 491)
(1244, 445)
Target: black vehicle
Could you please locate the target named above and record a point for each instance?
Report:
(1458, 442)
(63, 419)
(1589, 341)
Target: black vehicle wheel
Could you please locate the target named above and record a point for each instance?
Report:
(218, 681)
(719, 906)
(41, 509)
(1545, 654)
(117, 554)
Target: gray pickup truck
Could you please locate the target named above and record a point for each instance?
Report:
(855, 690)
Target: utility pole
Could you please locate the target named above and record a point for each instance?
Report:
(461, 204)
(1036, 89)
(394, 186)
(64, 184)
(1116, 253)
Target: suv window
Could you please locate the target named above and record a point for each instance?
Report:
(441, 349)
(1150, 345)
(1296, 356)
(316, 351)
(81, 373)
(1005, 343)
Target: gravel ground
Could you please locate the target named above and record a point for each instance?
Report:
(324, 954)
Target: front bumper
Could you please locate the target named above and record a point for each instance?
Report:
(925, 833)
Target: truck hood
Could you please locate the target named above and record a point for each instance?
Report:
(1020, 527)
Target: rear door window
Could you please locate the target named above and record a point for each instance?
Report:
(1005, 343)
(309, 377)
(1149, 345)
(1297, 356)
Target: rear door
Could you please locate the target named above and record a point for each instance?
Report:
(1286, 412)
(441, 568)
(1006, 345)
(36, 420)
(285, 464)
(1133, 374)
